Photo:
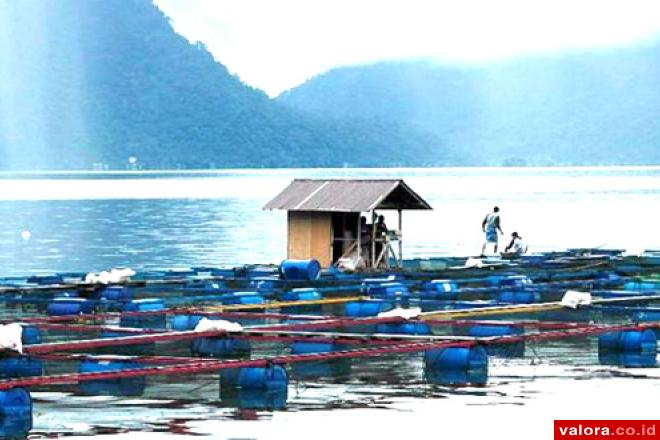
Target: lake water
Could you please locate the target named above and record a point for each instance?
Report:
(81, 222)
(154, 220)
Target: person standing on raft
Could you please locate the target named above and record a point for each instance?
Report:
(490, 226)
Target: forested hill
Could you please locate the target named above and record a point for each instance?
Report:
(108, 83)
(582, 108)
(93, 83)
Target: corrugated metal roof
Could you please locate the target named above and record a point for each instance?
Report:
(346, 196)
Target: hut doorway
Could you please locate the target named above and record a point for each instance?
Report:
(344, 232)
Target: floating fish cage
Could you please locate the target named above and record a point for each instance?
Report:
(110, 339)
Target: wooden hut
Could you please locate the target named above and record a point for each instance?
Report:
(324, 218)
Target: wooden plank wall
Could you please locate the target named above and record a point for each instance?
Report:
(310, 236)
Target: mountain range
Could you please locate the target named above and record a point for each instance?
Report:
(109, 84)
(597, 108)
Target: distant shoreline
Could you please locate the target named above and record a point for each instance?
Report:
(286, 170)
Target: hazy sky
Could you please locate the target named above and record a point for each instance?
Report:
(277, 44)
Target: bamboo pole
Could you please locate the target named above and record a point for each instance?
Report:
(203, 366)
(278, 304)
(525, 308)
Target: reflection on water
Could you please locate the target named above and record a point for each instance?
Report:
(253, 400)
(80, 222)
(387, 382)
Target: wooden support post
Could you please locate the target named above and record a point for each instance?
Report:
(385, 253)
(373, 239)
(400, 260)
(359, 236)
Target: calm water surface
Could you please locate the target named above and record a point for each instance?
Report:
(155, 220)
(81, 222)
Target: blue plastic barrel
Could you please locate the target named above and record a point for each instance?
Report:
(493, 280)
(303, 294)
(270, 400)
(368, 283)
(273, 377)
(388, 290)
(644, 341)
(461, 377)
(519, 297)
(306, 294)
(405, 328)
(69, 306)
(220, 347)
(649, 315)
(300, 270)
(146, 321)
(116, 293)
(15, 413)
(243, 298)
(144, 305)
(629, 341)
(608, 277)
(20, 366)
(478, 331)
(456, 358)
(129, 386)
(185, 322)
(94, 366)
(440, 289)
(31, 335)
(265, 400)
(628, 360)
(641, 285)
(362, 309)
